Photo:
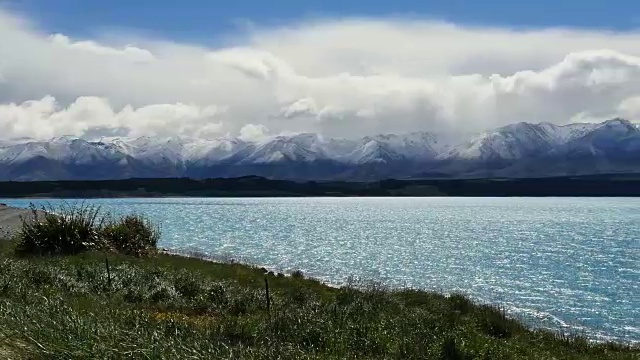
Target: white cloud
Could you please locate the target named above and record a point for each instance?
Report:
(251, 62)
(302, 107)
(630, 108)
(339, 77)
(45, 118)
(131, 52)
(252, 132)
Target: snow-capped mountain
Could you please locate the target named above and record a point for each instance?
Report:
(521, 149)
(519, 140)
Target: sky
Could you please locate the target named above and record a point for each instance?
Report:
(253, 69)
(203, 20)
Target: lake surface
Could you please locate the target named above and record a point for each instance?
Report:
(571, 264)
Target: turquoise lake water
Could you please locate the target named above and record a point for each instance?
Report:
(570, 264)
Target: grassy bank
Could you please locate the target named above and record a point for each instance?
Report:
(81, 284)
(181, 308)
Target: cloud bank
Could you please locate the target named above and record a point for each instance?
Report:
(338, 77)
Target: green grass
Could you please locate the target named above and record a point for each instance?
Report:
(171, 307)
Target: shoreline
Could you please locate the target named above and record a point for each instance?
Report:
(173, 299)
(225, 260)
(11, 219)
(81, 198)
(278, 196)
(569, 330)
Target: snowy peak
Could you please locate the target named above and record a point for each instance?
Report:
(373, 151)
(509, 142)
(281, 148)
(569, 132)
(417, 146)
(320, 157)
(618, 127)
(613, 138)
(522, 140)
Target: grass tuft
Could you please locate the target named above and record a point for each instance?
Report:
(131, 235)
(67, 230)
(297, 274)
(72, 229)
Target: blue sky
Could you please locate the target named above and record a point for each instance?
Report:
(202, 20)
(346, 69)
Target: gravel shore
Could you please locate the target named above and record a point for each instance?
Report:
(10, 220)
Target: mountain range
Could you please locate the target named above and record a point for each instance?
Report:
(516, 150)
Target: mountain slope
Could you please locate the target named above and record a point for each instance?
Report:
(610, 147)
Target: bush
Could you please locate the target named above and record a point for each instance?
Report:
(297, 274)
(494, 323)
(131, 235)
(68, 230)
(460, 303)
(187, 286)
(72, 229)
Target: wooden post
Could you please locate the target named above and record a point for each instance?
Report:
(268, 298)
(106, 261)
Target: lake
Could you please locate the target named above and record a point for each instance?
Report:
(570, 264)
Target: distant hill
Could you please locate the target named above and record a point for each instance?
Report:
(254, 186)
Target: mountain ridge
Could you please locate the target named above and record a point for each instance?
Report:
(515, 150)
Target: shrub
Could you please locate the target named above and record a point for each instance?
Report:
(67, 230)
(460, 303)
(494, 323)
(297, 274)
(72, 229)
(131, 235)
(450, 351)
(187, 285)
(217, 295)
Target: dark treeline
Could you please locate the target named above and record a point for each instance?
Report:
(597, 185)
